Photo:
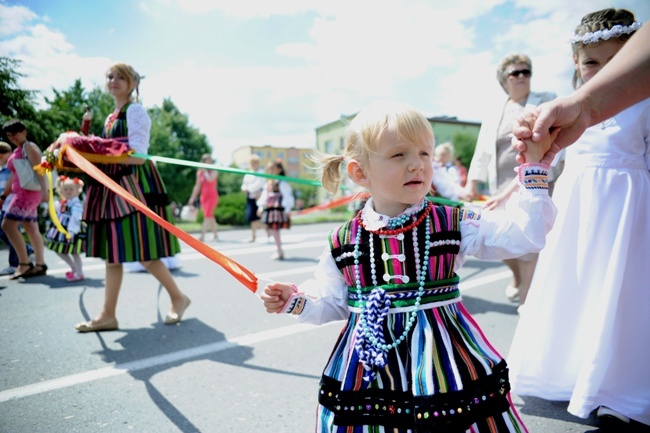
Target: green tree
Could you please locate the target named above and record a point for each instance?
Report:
(173, 137)
(464, 144)
(17, 103)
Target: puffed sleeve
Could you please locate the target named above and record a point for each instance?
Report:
(139, 126)
(76, 212)
(287, 196)
(518, 229)
(261, 202)
(321, 299)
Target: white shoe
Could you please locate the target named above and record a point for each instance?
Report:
(604, 411)
(9, 270)
(512, 293)
(521, 309)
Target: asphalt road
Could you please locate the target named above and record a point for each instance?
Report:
(228, 367)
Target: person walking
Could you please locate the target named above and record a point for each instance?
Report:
(23, 208)
(109, 216)
(494, 160)
(205, 188)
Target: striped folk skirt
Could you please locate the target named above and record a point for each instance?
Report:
(444, 377)
(117, 232)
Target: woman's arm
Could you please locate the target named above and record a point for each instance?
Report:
(622, 82)
(34, 156)
(196, 190)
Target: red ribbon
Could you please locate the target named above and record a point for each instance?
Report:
(246, 277)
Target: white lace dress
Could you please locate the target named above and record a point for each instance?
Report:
(585, 334)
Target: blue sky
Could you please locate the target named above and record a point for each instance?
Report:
(256, 72)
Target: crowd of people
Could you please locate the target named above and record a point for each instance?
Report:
(410, 356)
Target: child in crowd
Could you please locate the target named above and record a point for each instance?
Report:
(583, 335)
(410, 358)
(274, 205)
(5, 174)
(23, 207)
(69, 209)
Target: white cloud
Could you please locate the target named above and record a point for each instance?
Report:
(354, 52)
(14, 18)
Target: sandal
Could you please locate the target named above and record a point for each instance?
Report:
(35, 271)
(30, 266)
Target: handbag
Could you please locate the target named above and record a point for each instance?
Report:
(189, 213)
(26, 175)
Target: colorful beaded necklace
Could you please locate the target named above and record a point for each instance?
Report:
(421, 272)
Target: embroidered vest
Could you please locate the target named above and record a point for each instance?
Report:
(394, 259)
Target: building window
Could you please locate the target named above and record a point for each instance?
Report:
(329, 146)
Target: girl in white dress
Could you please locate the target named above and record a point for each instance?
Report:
(584, 335)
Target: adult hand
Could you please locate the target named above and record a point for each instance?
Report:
(566, 116)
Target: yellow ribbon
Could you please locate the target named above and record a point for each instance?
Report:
(53, 216)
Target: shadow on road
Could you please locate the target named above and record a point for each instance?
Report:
(149, 351)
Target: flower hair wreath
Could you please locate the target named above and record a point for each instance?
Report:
(615, 32)
(63, 179)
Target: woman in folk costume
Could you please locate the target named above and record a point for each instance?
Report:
(117, 232)
(69, 210)
(410, 357)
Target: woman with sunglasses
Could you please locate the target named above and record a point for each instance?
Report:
(494, 159)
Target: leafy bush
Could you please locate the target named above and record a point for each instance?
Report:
(230, 210)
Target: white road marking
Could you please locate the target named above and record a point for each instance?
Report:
(119, 369)
(127, 367)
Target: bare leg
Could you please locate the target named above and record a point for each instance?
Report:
(202, 238)
(214, 227)
(35, 238)
(67, 258)
(275, 233)
(513, 264)
(527, 271)
(78, 265)
(255, 225)
(10, 227)
(114, 274)
(158, 269)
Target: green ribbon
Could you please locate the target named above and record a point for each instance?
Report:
(175, 161)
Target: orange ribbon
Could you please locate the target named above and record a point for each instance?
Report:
(246, 277)
(335, 203)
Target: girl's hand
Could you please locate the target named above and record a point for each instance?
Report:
(275, 295)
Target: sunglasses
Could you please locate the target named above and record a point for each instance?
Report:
(518, 73)
(3, 151)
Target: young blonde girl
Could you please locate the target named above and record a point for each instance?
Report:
(410, 357)
(69, 209)
(583, 335)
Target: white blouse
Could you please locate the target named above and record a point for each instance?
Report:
(139, 127)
